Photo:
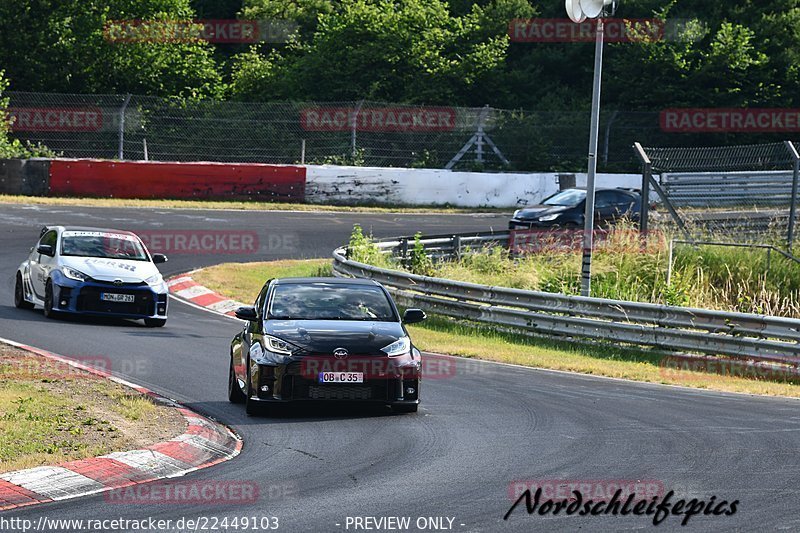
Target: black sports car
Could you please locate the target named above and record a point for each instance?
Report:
(565, 209)
(324, 339)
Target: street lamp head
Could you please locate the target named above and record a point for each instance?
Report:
(580, 10)
(574, 11)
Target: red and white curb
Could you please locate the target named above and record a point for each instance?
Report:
(204, 443)
(187, 289)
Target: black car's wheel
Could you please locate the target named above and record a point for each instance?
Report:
(49, 312)
(19, 295)
(155, 322)
(406, 408)
(235, 394)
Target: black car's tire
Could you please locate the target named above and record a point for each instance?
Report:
(235, 394)
(19, 295)
(49, 312)
(155, 322)
(406, 408)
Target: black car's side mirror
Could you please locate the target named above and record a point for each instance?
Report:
(46, 249)
(412, 316)
(247, 313)
(159, 258)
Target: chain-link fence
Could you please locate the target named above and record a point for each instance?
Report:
(356, 132)
(740, 193)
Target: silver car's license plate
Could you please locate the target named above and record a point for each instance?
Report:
(115, 297)
(341, 377)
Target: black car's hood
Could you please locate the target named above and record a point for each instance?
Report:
(536, 211)
(323, 336)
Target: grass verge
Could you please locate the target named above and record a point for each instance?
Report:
(51, 413)
(441, 335)
(238, 205)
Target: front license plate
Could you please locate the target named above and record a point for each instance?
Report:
(114, 297)
(341, 377)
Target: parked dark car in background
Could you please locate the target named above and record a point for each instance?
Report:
(565, 209)
(324, 339)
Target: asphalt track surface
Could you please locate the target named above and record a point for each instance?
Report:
(478, 430)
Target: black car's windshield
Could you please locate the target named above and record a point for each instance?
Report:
(330, 301)
(102, 244)
(568, 198)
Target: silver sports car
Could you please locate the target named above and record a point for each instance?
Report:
(92, 271)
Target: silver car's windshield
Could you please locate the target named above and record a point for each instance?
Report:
(330, 301)
(100, 244)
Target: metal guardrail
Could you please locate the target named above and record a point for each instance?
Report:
(750, 336)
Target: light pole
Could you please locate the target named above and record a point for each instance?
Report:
(578, 11)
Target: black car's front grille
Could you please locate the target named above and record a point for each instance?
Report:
(340, 392)
(304, 389)
(143, 303)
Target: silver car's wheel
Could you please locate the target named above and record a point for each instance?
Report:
(49, 312)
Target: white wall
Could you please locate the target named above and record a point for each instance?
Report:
(397, 186)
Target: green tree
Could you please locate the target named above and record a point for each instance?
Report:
(408, 50)
(12, 148)
(63, 46)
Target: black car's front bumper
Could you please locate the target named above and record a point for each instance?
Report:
(516, 223)
(294, 383)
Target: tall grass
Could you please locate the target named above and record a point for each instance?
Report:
(625, 268)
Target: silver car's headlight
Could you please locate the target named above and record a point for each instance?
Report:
(399, 347)
(155, 279)
(71, 273)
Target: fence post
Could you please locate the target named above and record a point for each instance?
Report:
(353, 130)
(647, 173)
(122, 109)
(302, 151)
(793, 204)
(667, 203)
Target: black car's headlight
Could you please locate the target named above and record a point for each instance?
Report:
(549, 218)
(280, 346)
(399, 347)
(71, 273)
(277, 352)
